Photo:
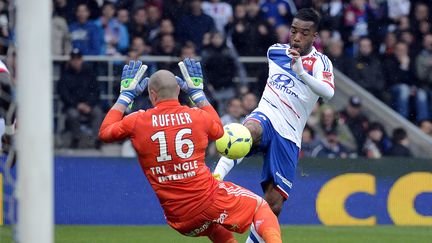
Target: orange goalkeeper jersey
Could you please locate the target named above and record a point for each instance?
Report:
(170, 141)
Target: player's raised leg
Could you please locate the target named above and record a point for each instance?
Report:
(225, 165)
(274, 197)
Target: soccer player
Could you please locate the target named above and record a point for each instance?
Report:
(298, 76)
(7, 112)
(170, 141)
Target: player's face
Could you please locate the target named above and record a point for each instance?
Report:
(303, 34)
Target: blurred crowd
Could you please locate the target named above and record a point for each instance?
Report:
(385, 46)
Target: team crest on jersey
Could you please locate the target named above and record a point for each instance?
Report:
(283, 80)
(327, 76)
(308, 63)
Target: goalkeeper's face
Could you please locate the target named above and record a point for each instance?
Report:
(303, 34)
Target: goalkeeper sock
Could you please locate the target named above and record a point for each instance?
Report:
(266, 224)
(224, 166)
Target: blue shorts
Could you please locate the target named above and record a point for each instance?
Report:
(280, 156)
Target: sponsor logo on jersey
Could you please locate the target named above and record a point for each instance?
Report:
(283, 79)
(283, 83)
(206, 225)
(284, 180)
(308, 63)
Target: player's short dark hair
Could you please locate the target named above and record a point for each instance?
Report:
(309, 14)
(399, 134)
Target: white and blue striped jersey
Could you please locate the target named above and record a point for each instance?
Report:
(288, 101)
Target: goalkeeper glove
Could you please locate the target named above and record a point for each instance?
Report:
(132, 82)
(193, 80)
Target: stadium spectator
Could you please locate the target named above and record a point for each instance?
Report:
(357, 21)
(194, 25)
(219, 69)
(315, 116)
(79, 91)
(85, 35)
(408, 37)
(387, 46)
(424, 63)
(331, 148)
(94, 7)
(331, 13)
(249, 102)
(234, 112)
(221, 12)
(123, 16)
(153, 21)
(426, 126)
(356, 121)
(367, 71)
(404, 24)
(424, 28)
(188, 51)
(237, 29)
(64, 8)
(309, 142)
(377, 144)
(398, 9)
(283, 33)
(400, 146)
(323, 41)
(251, 34)
(175, 9)
(4, 27)
(278, 12)
(399, 71)
(138, 44)
(167, 47)
(421, 13)
(138, 25)
(166, 28)
(60, 36)
(336, 54)
(139, 48)
(115, 35)
(329, 122)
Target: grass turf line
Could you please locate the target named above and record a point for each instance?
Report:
(292, 234)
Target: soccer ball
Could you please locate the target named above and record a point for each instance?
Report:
(236, 141)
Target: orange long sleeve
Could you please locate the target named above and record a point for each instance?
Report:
(115, 127)
(215, 126)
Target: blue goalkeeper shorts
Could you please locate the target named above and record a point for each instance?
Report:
(280, 156)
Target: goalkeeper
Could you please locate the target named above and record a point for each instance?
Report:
(170, 141)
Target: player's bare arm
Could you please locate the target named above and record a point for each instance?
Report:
(256, 131)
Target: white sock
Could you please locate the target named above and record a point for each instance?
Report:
(253, 232)
(225, 165)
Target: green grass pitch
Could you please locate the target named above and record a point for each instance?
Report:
(291, 234)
